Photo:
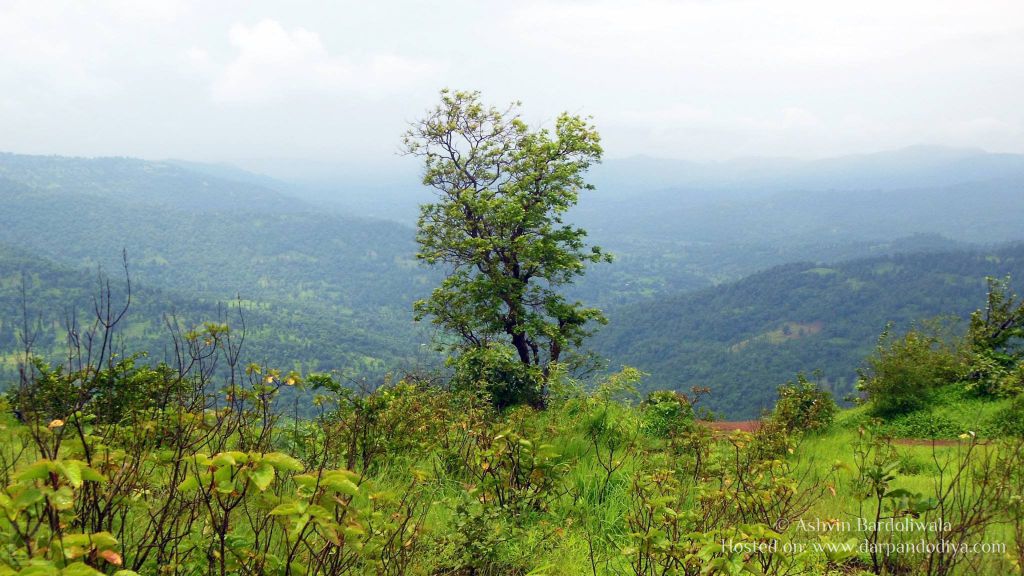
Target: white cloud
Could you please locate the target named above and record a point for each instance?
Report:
(676, 78)
(274, 64)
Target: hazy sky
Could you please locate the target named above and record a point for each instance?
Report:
(337, 81)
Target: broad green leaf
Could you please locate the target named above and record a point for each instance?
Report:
(26, 498)
(223, 474)
(103, 540)
(288, 509)
(317, 511)
(282, 461)
(343, 485)
(36, 471)
(189, 484)
(72, 472)
(40, 569)
(225, 486)
(63, 498)
(224, 459)
(262, 475)
(90, 475)
(80, 569)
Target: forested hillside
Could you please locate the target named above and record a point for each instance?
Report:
(322, 290)
(303, 338)
(333, 292)
(745, 338)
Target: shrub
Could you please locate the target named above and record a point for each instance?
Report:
(991, 373)
(923, 424)
(494, 371)
(666, 413)
(993, 341)
(1010, 420)
(902, 373)
(804, 406)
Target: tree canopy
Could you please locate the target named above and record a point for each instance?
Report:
(497, 227)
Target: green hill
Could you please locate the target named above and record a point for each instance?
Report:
(305, 338)
(324, 290)
(744, 338)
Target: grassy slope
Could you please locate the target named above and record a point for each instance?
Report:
(556, 541)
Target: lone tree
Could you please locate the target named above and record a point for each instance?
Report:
(497, 228)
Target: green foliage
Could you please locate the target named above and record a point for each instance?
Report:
(1001, 323)
(1010, 420)
(201, 465)
(495, 371)
(804, 407)
(994, 339)
(109, 392)
(417, 479)
(326, 292)
(667, 413)
(952, 411)
(320, 290)
(903, 372)
(926, 424)
(498, 229)
(480, 530)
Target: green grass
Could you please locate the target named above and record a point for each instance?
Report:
(949, 412)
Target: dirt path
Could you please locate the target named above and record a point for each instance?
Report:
(726, 426)
(732, 426)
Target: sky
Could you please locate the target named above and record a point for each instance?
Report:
(336, 82)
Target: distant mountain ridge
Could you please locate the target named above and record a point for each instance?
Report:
(142, 181)
(911, 167)
(392, 190)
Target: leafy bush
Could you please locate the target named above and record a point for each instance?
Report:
(922, 424)
(1010, 420)
(992, 373)
(993, 338)
(667, 413)
(495, 372)
(902, 374)
(804, 406)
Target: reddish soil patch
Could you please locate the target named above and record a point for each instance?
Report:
(742, 425)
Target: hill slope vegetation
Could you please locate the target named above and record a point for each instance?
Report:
(743, 339)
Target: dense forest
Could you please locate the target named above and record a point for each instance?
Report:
(319, 291)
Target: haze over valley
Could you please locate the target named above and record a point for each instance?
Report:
(330, 286)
